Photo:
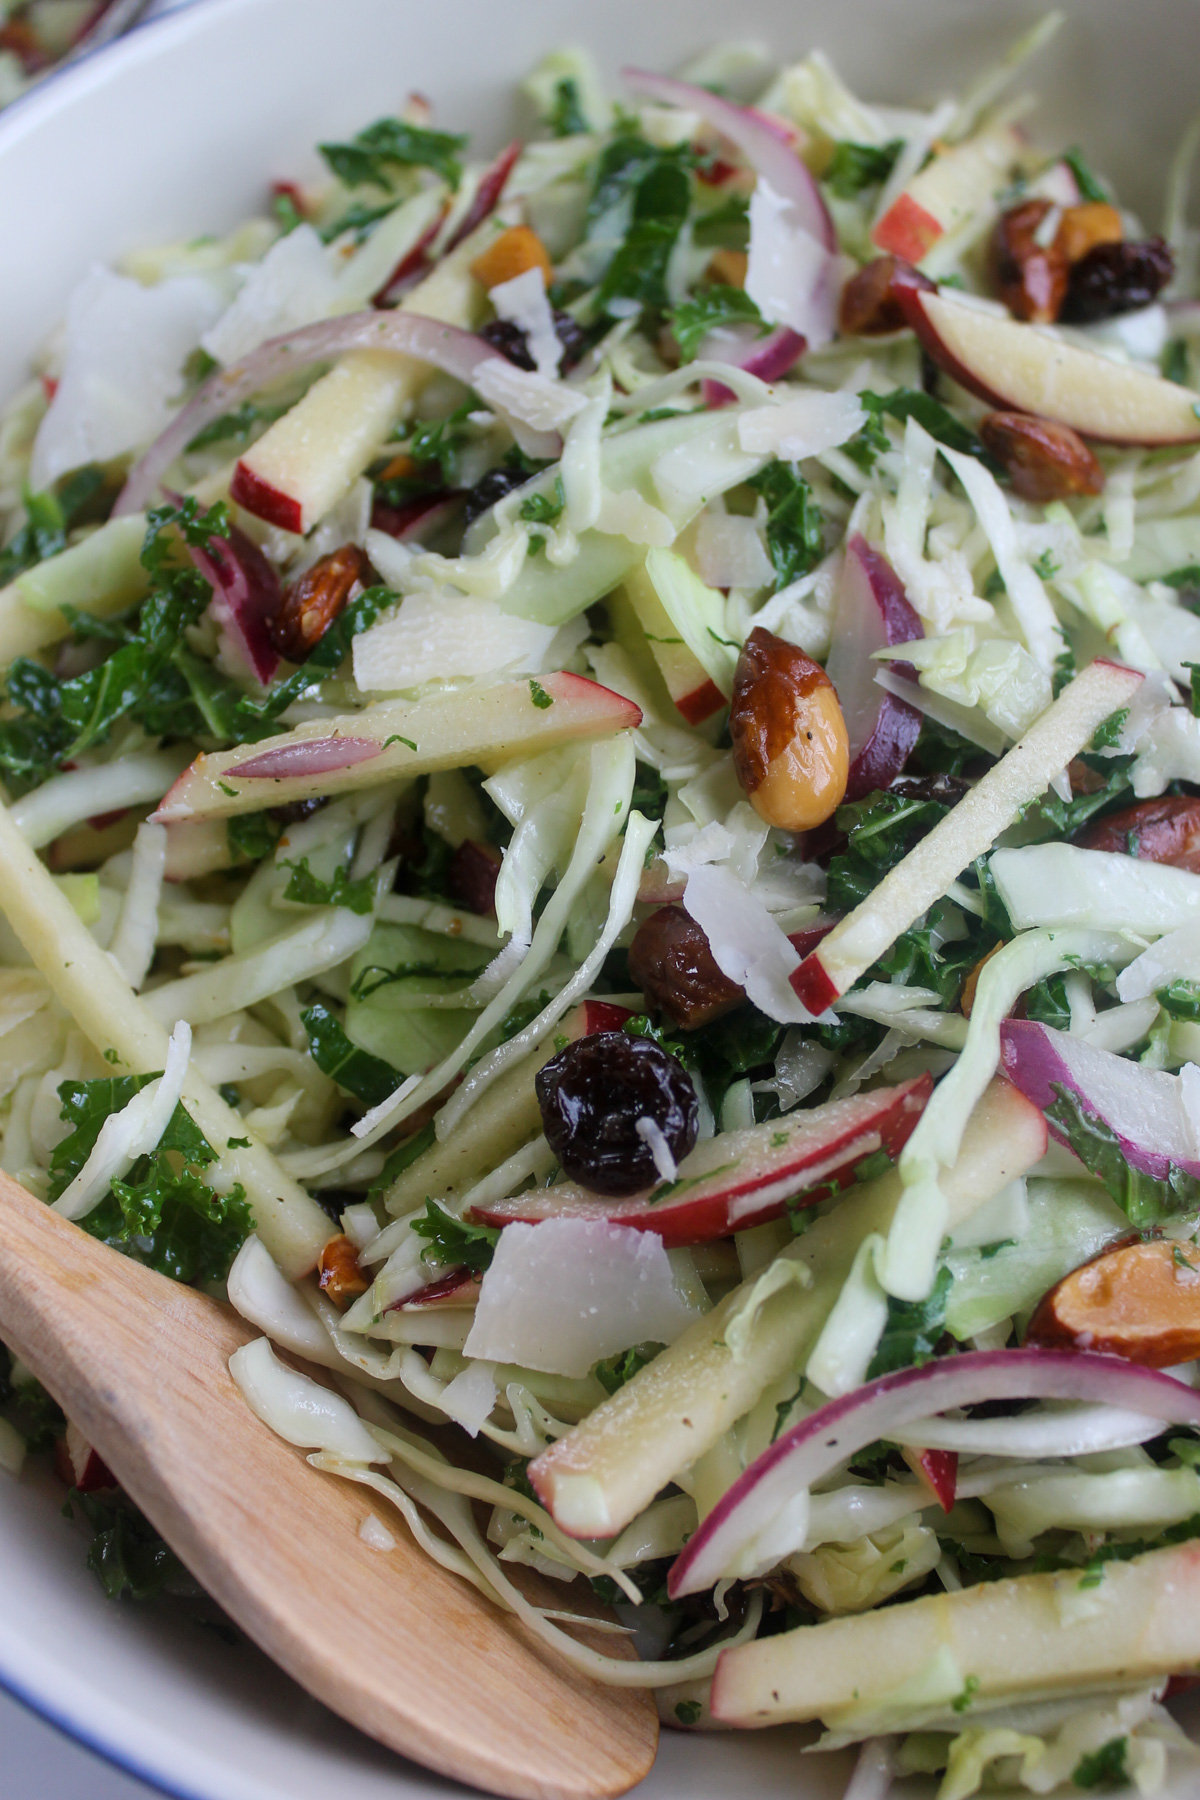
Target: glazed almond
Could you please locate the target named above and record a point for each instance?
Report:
(339, 1273)
(1044, 461)
(670, 960)
(313, 601)
(1084, 227)
(790, 746)
(1162, 831)
(868, 306)
(1030, 277)
(1137, 1300)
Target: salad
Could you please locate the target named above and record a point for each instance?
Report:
(36, 35)
(602, 828)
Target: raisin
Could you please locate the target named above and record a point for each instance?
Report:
(870, 305)
(471, 876)
(1116, 278)
(670, 960)
(594, 1094)
(1162, 831)
(511, 342)
(1030, 278)
(1044, 461)
(313, 601)
(293, 811)
(492, 487)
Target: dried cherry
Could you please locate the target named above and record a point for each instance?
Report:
(511, 341)
(593, 1095)
(1163, 831)
(1116, 278)
(492, 487)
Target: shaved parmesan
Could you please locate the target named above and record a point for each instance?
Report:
(561, 1295)
(806, 423)
(520, 394)
(438, 635)
(122, 370)
(791, 275)
(293, 285)
(298, 1409)
(523, 302)
(730, 552)
(747, 944)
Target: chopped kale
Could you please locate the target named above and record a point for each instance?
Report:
(912, 403)
(794, 541)
(235, 427)
(308, 890)
(615, 1371)
(163, 1214)
(326, 656)
(912, 1330)
(725, 226)
(708, 310)
(1176, 363)
(389, 144)
(1181, 999)
(455, 1241)
(1047, 1003)
(1104, 1767)
(638, 270)
(567, 117)
(1145, 1199)
(28, 1407)
(251, 836)
(854, 167)
(126, 1554)
(403, 1157)
(367, 1077)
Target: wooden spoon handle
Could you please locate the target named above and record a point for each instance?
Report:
(394, 1643)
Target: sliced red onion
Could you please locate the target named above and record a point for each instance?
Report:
(759, 139)
(427, 513)
(737, 1531)
(769, 358)
(313, 756)
(446, 347)
(459, 1288)
(246, 596)
(418, 261)
(492, 184)
(1143, 1107)
(872, 611)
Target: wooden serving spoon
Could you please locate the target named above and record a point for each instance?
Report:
(397, 1645)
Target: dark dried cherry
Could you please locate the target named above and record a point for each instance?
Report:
(511, 341)
(670, 960)
(492, 487)
(592, 1096)
(471, 876)
(1116, 278)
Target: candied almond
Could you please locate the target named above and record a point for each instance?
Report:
(728, 267)
(869, 304)
(514, 251)
(791, 751)
(339, 1273)
(1137, 1300)
(313, 601)
(671, 962)
(1045, 461)
(1030, 277)
(1083, 227)
(1163, 831)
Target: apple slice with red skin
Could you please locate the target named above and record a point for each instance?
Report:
(79, 1465)
(938, 1469)
(992, 806)
(743, 1178)
(871, 612)
(1027, 368)
(486, 725)
(692, 689)
(945, 192)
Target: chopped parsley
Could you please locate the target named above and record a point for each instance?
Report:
(708, 310)
(372, 155)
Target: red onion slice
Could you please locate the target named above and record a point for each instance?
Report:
(770, 358)
(446, 347)
(759, 139)
(871, 612)
(789, 1467)
(1143, 1107)
(246, 596)
(492, 184)
(315, 756)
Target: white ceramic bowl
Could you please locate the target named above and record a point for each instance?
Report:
(175, 132)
